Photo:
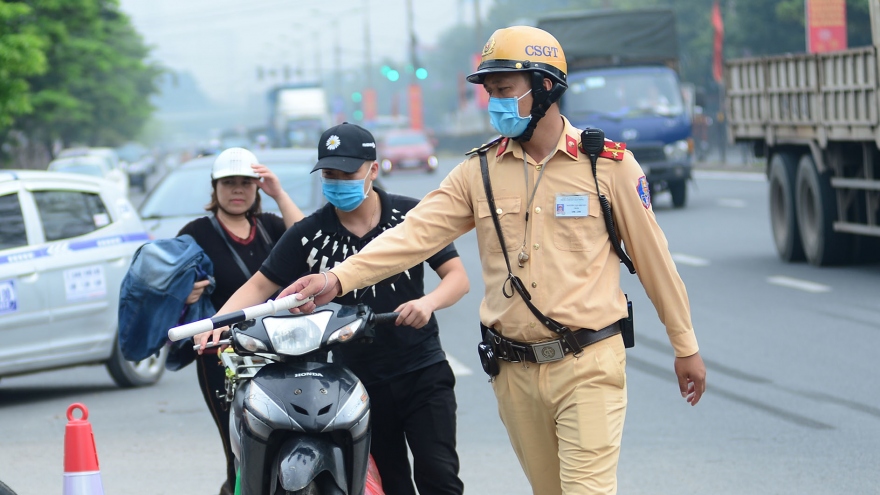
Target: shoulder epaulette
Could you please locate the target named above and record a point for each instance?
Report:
(613, 151)
(484, 148)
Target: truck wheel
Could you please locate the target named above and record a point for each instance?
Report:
(128, 374)
(679, 193)
(783, 220)
(816, 212)
(5, 490)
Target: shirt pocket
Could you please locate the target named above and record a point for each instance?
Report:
(512, 224)
(580, 234)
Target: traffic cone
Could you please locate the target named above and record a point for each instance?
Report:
(81, 473)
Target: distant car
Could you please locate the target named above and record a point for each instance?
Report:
(406, 149)
(93, 165)
(182, 194)
(66, 242)
(138, 162)
(108, 154)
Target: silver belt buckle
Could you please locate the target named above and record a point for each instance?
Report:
(548, 352)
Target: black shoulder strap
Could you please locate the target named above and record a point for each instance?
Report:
(484, 148)
(235, 256)
(515, 281)
(593, 142)
(263, 233)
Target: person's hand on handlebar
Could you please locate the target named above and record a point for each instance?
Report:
(415, 313)
(202, 339)
(324, 286)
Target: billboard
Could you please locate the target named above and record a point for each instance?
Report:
(826, 25)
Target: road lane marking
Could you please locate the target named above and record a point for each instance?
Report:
(686, 259)
(720, 175)
(796, 283)
(458, 368)
(663, 373)
(732, 203)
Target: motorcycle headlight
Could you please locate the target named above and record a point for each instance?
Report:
(433, 161)
(297, 335)
(249, 343)
(345, 332)
(678, 150)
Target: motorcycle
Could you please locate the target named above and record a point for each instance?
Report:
(300, 423)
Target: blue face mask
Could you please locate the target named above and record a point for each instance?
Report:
(344, 194)
(504, 116)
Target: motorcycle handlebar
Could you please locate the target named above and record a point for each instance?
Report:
(382, 318)
(267, 308)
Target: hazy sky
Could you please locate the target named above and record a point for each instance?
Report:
(221, 42)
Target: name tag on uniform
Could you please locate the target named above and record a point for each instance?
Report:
(572, 205)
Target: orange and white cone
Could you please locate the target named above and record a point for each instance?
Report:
(81, 473)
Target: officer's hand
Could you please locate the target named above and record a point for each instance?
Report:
(415, 313)
(198, 290)
(691, 374)
(324, 290)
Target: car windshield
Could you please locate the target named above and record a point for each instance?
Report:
(625, 94)
(176, 195)
(405, 139)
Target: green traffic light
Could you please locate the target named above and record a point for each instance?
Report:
(422, 73)
(358, 115)
(392, 75)
(356, 97)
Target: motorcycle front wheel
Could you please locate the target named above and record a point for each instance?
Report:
(310, 489)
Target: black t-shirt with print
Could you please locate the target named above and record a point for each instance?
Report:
(227, 274)
(320, 241)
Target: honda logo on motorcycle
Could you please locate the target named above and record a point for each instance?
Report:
(308, 373)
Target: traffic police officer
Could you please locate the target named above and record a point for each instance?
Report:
(564, 416)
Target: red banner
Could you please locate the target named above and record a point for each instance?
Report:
(415, 106)
(369, 104)
(480, 94)
(826, 25)
(718, 49)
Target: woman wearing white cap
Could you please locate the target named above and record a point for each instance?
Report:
(238, 237)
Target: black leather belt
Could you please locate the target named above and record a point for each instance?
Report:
(543, 352)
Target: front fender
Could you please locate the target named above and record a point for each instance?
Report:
(301, 459)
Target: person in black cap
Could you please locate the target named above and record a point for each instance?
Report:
(405, 369)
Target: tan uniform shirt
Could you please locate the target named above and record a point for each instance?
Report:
(573, 273)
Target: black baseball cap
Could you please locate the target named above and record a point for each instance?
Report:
(345, 147)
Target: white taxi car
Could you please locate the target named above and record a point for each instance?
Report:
(66, 242)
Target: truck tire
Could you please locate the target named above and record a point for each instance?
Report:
(5, 490)
(678, 190)
(783, 217)
(816, 211)
(128, 374)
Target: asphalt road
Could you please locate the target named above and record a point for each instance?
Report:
(792, 405)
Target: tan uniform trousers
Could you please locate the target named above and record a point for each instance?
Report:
(565, 418)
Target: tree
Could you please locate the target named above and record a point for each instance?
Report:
(21, 56)
(97, 87)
